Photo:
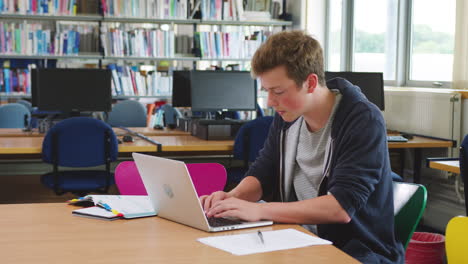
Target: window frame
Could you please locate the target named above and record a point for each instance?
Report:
(403, 44)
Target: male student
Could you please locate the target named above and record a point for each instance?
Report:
(325, 162)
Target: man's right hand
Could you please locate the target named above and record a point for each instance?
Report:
(207, 201)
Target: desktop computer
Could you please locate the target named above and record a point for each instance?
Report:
(215, 129)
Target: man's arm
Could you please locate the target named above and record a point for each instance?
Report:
(320, 210)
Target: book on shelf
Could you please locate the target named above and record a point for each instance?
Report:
(130, 81)
(49, 7)
(112, 207)
(156, 9)
(15, 81)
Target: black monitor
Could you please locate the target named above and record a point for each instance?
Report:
(71, 90)
(181, 95)
(222, 91)
(214, 90)
(371, 84)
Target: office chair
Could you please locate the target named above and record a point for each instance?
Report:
(456, 239)
(127, 113)
(463, 158)
(207, 178)
(79, 142)
(248, 142)
(26, 103)
(14, 115)
(409, 201)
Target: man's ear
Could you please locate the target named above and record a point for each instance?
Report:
(311, 82)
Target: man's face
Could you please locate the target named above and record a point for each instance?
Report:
(288, 100)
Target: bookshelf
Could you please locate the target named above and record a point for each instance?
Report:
(125, 24)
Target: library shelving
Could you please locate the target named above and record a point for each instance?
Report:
(123, 33)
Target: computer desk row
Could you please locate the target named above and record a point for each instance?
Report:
(16, 142)
(49, 233)
(147, 131)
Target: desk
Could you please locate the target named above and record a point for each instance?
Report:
(446, 165)
(418, 143)
(33, 145)
(49, 233)
(17, 132)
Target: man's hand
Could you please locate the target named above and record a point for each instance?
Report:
(237, 208)
(207, 201)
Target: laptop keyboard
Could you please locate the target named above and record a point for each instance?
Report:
(217, 222)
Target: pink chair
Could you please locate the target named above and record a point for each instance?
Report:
(207, 178)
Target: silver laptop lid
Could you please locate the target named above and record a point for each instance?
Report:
(171, 191)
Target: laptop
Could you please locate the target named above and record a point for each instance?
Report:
(173, 195)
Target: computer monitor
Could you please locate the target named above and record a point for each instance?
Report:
(371, 84)
(208, 91)
(181, 94)
(71, 90)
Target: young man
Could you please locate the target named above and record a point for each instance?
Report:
(325, 162)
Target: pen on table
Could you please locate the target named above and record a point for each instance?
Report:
(108, 208)
(260, 235)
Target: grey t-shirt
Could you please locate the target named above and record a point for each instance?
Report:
(310, 157)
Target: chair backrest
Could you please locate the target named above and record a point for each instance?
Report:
(456, 239)
(251, 137)
(80, 142)
(13, 116)
(206, 177)
(25, 103)
(128, 113)
(409, 200)
(464, 167)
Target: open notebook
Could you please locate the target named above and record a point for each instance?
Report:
(112, 207)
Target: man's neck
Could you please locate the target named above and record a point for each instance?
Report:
(320, 110)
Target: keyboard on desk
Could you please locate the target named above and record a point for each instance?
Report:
(221, 121)
(396, 139)
(217, 222)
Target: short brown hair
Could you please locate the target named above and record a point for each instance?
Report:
(298, 52)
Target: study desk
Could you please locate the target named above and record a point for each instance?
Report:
(49, 233)
(417, 143)
(147, 131)
(446, 165)
(33, 145)
(15, 146)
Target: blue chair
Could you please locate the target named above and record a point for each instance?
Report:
(79, 142)
(128, 113)
(248, 142)
(26, 103)
(14, 115)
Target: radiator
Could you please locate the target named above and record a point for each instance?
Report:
(418, 111)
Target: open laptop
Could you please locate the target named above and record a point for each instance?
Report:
(173, 196)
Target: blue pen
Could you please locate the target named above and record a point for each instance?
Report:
(108, 208)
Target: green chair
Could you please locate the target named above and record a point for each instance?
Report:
(409, 201)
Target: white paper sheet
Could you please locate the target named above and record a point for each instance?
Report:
(250, 243)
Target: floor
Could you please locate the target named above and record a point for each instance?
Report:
(28, 189)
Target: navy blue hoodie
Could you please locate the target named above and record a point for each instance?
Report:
(359, 177)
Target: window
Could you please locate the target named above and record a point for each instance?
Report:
(375, 43)
(432, 40)
(335, 37)
(410, 41)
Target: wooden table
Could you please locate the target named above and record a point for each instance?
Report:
(49, 233)
(179, 141)
(446, 165)
(33, 145)
(417, 143)
(147, 131)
